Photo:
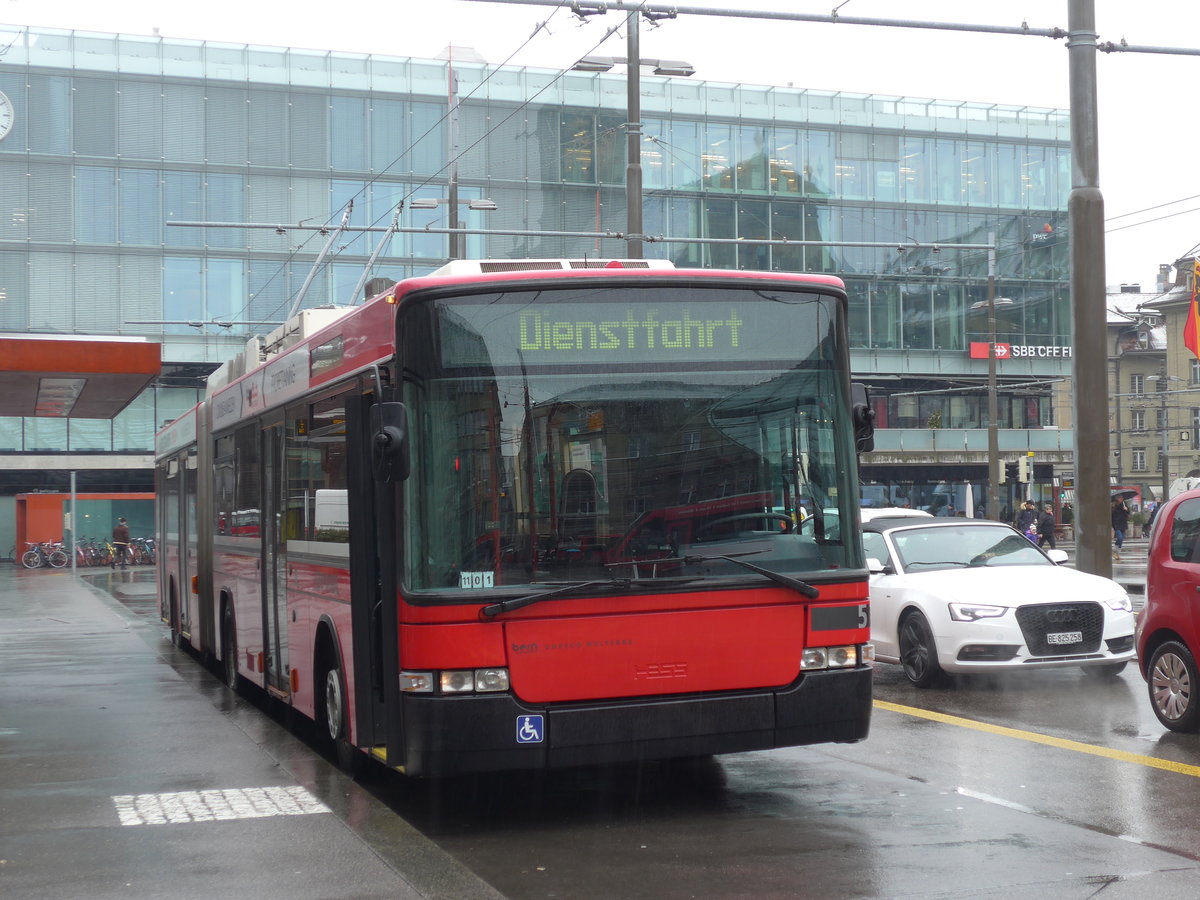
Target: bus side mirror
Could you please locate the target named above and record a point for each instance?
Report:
(864, 419)
(389, 441)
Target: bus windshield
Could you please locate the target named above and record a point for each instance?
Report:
(625, 432)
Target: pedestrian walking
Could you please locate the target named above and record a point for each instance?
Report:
(120, 539)
(1150, 522)
(1120, 523)
(1045, 526)
(1027, 519)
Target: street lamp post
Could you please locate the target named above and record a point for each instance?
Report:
(457, 245)
(633, 60)
(1166, 468)
(1164, 381)
(633, 140)
(993, 432)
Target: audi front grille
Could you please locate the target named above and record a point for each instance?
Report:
(1038, 622)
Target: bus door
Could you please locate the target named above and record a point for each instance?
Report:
(274, 560)
(189, 560)
(170, 545)
(371, 509)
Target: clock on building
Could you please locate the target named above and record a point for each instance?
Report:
(7, 116)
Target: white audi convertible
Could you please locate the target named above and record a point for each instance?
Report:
(971, 595)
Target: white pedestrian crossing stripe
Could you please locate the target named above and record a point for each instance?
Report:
(180, 807)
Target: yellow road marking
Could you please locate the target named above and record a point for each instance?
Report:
(1035, 738)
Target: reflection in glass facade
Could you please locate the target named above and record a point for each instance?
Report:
(117, 137)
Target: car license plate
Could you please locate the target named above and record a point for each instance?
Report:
(1065, 637)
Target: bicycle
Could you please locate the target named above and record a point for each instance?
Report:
(141, 551)
(38, 556)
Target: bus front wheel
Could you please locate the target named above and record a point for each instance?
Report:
(335, 719)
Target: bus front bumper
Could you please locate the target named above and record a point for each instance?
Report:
(481, 733)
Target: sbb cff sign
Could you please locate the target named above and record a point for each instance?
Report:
(979, 350)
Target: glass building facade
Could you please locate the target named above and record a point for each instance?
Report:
(116, 137)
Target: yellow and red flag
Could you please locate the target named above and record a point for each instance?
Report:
(1191, 329)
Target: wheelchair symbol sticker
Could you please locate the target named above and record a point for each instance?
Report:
(530, 729)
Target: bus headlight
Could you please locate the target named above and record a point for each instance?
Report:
(843, 657)
(416, 682)
(457, 681)
(814, 658)
(491, 680)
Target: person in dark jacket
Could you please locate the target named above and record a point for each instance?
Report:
(1045, 526)
(120, 539)
(1027, 518)
(1120, 521)
(1150, 521)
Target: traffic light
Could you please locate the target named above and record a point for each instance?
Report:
(1024, 470)
(1010, 472)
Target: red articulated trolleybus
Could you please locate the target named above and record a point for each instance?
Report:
(530, 514)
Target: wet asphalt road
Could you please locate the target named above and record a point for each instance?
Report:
(924, 808)
(1053, 783)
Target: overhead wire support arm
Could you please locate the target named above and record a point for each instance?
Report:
(899, 246)
(424, 229)
(383, 241)
(316, 266)
(673, 10)
(1123, 47)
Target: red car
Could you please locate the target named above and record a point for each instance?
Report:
(1168, 629)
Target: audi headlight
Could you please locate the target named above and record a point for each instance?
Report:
(1120, 604)
(971, 612)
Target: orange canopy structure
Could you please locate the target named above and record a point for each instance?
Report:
(79, 376)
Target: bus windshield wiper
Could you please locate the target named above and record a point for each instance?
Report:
(795, 584)
(575, 587)
(517, 602)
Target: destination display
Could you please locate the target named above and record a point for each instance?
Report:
(636, 331)
(657, 332)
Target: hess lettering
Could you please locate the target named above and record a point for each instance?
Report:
(661, 670)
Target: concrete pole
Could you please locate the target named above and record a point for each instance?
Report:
(1162, 425)
(74, 526)
(456, 240)
(1086, 210)
(993, 433)
(633, 139)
